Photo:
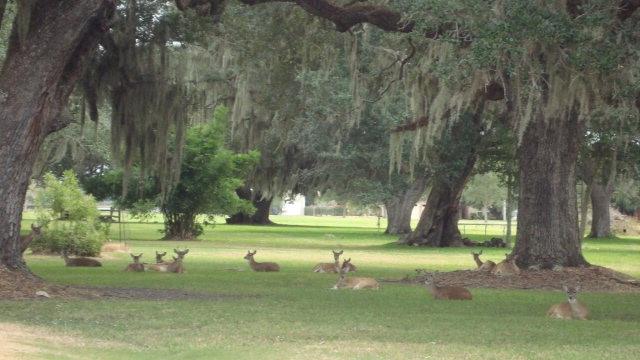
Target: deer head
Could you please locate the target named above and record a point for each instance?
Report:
(181, 253)
(136, 258)
(159, 256)
(336, 255)
(37, 230)
(572, 293)
(249, 256)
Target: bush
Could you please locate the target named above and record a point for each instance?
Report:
(70, 218)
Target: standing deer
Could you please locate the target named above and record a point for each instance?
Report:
(135, 266)
(446, 292)
(80, 261)
(25, 240)
(159, 257)
(333, 267)
(571, 309)
(256, 266)
(483, 266)
(507, 267)
(355, 283)
(173, 267)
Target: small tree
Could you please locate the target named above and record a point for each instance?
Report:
(208, 179)
(484, 191)
(71, 218)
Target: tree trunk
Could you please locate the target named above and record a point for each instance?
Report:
(457, 155)
(400, 207)
(261, 216)
(584, 209)
(509, 209)
(262, 205)
(600, 202)
(37, 77)
(547, 206)
(438, 225)
(181, 227)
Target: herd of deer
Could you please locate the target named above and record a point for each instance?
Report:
(571, 309)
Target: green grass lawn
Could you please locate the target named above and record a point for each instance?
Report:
(294, 315)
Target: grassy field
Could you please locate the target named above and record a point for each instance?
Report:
(294, 315)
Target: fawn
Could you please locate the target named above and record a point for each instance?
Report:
(355, 283)
(80, 261)
(25, 240)
(483, 266)
(135, 266)
(507, 267)
(175, 266)
(256, 266)
(333, 267)
(446, 292)
(571, 309)
(159, 257)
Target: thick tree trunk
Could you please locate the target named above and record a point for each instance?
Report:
(584, 209)
(400, 207)
(547, 208)
(458, 153)
(600, 202)
(36, 80)
(262, 205)
(438, 225)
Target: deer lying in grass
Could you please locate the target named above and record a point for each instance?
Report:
(173, 267)
(483, 266)
(333, 267)
(261, 267)
(571, 309)
(135, 266)
(159, 257)
(80, 261)
(446, 292)
(507, 267)
(25, 240)
(355, 283)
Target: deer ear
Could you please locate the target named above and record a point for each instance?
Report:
(186, 252)
(565, 288)
(577, 288)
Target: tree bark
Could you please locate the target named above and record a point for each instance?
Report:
(600, 202)
(262, 205)
(548, 232)
(37, 77)
(400, 207)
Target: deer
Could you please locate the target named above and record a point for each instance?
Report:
(173, 267)
(333, 267)
(571, 309)
(446, 292)
(135, 266)
(507, 267)
(79, 261)
(260, 267)
(483, 266)
(25, 240)
(159, 257)
(355, 283)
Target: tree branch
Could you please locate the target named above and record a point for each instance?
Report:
(344, 17)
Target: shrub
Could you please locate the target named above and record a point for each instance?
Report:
(71, 218)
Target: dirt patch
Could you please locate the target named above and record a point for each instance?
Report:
(19, 285)
(591, 279)
(16, 285)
